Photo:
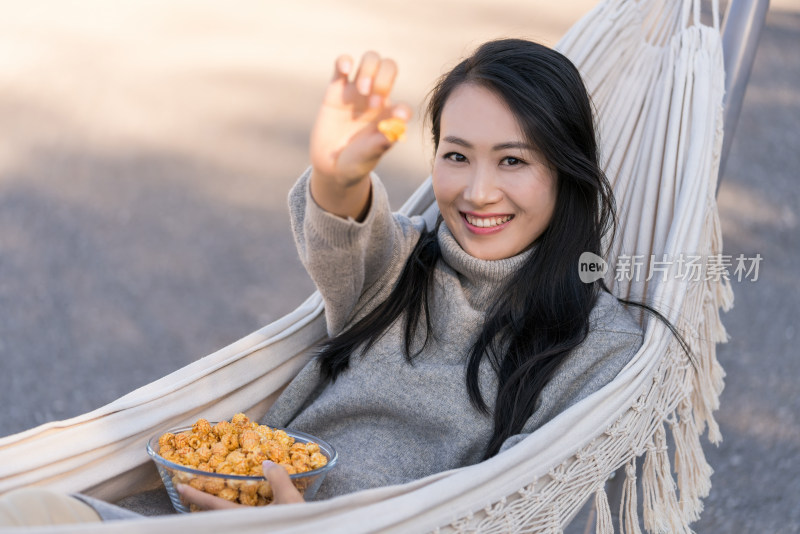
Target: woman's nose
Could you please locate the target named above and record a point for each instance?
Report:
(481, 189)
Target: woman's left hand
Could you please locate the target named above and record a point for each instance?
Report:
(283, 491)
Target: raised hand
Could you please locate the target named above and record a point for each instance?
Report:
(346, 144)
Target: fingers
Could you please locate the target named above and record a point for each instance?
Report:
(283, 491)
(343, 67)
(373, 80)
(204, 500)
(383, 82)
(366, 72)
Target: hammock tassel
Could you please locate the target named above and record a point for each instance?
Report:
(662, 515)
(723, 292)
(694, 472)
(720, 287)
(629, 505)
(604, 523)
(709, 380)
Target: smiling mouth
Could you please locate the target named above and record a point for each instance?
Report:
(486, 222)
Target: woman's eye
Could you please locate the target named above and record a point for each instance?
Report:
(455, 156)
(512, 161)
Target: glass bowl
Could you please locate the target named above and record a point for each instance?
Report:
(249, 488)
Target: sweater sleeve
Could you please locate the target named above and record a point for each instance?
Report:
(614, 338)
(353, 264)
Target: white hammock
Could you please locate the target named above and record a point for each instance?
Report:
(656, 75)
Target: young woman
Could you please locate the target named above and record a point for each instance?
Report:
(451, 344)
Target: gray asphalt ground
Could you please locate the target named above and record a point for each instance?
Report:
(146, 156)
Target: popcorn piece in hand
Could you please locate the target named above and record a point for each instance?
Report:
(393, 129)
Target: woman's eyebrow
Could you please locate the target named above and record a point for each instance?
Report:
(502, 146)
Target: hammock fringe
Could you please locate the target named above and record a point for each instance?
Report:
(694, 472)
(629, 504)
(662, 514)
(604, 523)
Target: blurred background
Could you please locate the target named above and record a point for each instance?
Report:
(148, 148)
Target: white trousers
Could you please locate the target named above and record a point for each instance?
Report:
(29, 507)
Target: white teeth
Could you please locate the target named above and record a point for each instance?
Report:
(487, 222)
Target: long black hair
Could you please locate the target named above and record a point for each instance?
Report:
(543, 311)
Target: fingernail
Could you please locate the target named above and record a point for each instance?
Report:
(345, 67)
(180, 487)
(375, 101)
(267, 463)
(364, 85)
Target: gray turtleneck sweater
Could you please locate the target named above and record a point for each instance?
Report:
(391, 421)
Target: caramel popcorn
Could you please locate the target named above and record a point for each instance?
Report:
(237, 447)
(393, 128)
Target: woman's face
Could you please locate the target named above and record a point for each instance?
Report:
(495, 192)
